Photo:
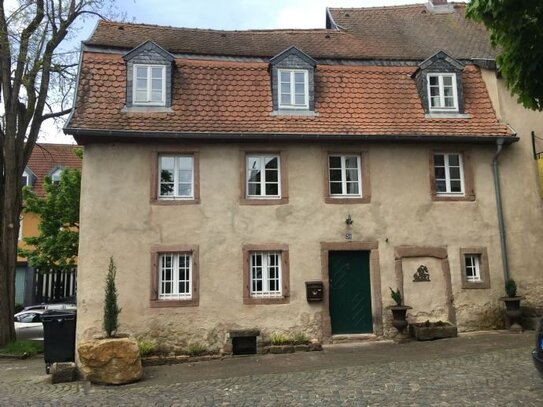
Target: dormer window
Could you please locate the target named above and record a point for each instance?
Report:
(439, 83)
(442, 92)
(149, 71)
(55, 176)
(293, 82)
(293, 89)
(149, 85)
(25, 180)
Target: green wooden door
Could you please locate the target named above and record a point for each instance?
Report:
(350, 292)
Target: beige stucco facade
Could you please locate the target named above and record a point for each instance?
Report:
(402, 226)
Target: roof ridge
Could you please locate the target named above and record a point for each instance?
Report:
(396, 6)
(249, 31)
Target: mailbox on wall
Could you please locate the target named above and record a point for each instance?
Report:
(314, 291)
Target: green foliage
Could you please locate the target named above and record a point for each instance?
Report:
(300, 338)
(396, 296)
(197, 349)
(278, 339)
(516, 28)
(57, 245)
(511, 288)
(23, 348)
(146, 347)
(111, 307)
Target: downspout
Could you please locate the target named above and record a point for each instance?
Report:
(501, 223)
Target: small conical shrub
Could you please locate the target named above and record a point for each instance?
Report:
(111, 308)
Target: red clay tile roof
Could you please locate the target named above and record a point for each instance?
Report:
(47, 157)
(412, 32)
(318, 43)
(235, 97)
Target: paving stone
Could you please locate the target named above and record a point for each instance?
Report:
(491, 370)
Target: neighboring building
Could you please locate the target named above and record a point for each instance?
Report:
(224, 170)
(32, 287)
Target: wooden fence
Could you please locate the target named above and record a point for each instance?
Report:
(54, 285)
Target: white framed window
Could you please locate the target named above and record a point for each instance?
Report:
(55, 176)
(344, 175)
(25, 179)
(293, 89)
(265, 274)
(263, 178)
(175, 276)
(176, 177)
(149, 85)
(449, 174)
(472, 268)
(442, 93)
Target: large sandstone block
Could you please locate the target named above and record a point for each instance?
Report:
(110, 360)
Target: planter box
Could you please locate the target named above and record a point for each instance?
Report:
(427, 331)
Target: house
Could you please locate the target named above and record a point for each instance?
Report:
(282, 180)
(47, 160)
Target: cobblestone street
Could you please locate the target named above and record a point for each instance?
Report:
(483, 369)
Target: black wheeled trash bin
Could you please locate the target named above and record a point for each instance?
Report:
(58, 337)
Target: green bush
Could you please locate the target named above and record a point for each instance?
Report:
(23, 348)
(197, 349)
(146, 347)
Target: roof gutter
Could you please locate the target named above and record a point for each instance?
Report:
(225, 136)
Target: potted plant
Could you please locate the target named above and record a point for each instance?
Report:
(512, 305)
(399, 311)
(113, 358)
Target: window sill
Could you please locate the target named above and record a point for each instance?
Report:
(446, 115)
(146, 109)
(265, 301)
(452, 198)
(263, 201)
(173, 303)
(168, 202)
(345, 200)
(294, 112)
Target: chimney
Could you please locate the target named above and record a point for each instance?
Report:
(439, 6)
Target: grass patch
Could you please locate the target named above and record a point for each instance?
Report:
(279, 339)
(146, 347)
(197, 349)
(23, 348)
(300, 338)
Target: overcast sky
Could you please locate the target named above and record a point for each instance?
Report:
(225, 15)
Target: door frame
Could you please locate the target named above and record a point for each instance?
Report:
(371, 246)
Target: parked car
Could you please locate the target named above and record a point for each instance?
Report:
(537, 353)
(28, 325)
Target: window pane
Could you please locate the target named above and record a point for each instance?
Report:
(433, 80)
(285, 99)
(299, 77)
(299, 99)
(335, 188)
(352, 188)
(271, 162)
(272, 175)
(447, 81)
(441, 186)
(455, 173)
(439, 160)
(254, 176)
(299, 88)
(335, 175)
(453, 160)
(449, 102)
(141, 95)
(440, 172)
(156, 72)
(141, 72)
(334, 161)
(254, 189)
(185, 190)
(351, 162)
(284, 76)
(141, 84)
(156, 84)
(352, 175)
(185, 163)
(272, 189)
(456, 186)
(156, 96)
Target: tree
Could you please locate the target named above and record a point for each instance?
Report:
(516, 30)
(31, 67)
(111, 307)
(57, 244)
